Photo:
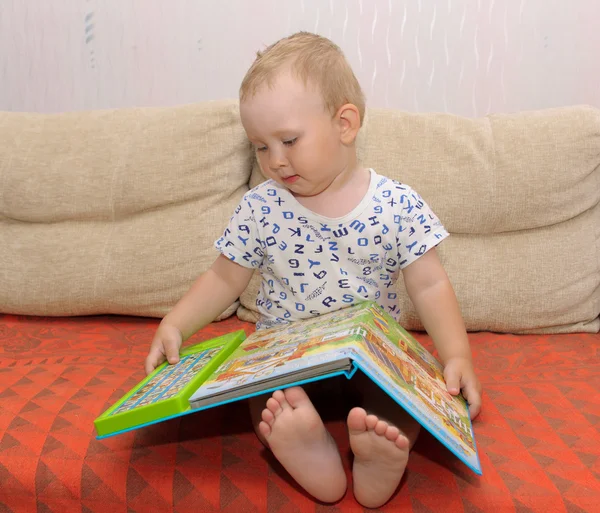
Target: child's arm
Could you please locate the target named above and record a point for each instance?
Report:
(432, 295)
(209, 296)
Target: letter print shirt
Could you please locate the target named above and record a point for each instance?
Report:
(311, 265)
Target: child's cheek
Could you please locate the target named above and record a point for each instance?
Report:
(263, 162)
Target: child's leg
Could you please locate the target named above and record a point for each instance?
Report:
(291, 427)
(381, 435)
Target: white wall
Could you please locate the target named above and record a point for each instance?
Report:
(468, 57)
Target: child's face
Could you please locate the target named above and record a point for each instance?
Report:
(297, 141)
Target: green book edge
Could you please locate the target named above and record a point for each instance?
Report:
(108, 422)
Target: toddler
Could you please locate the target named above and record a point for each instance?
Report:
(325, 233)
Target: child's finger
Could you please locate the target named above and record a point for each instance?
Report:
(153, 360)
(452, 381)
(171, 350)
(474, 400)
(473, 397)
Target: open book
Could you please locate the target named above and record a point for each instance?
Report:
(360, 338)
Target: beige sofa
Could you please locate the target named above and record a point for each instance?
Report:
(117, 211)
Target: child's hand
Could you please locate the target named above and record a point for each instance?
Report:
(165, 346)
(460, 375)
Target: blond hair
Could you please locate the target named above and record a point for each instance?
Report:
(313, 59)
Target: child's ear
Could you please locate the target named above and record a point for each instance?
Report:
(348, 118)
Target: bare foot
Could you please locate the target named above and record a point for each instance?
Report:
(380, 457)
(299, 440)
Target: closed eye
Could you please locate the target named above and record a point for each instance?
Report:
(289, 142)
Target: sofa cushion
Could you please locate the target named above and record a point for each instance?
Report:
(114, 211)
(520, 194)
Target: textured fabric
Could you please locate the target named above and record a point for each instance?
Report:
(312, 265)
(537, 435)
(500, 173)
(114, 211)
(519, 193)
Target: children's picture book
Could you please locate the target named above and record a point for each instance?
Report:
(360, 338)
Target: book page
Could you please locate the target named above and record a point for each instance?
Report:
(278, 351)
(414, 378)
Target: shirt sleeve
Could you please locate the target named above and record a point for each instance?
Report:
(241, 242)
(419, 228)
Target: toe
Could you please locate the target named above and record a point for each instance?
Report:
(402, 442)
(296, 397)
(274, 406)
(381, 427)
(371, 422)
(265, 429)
(391, 433)
(356, 420)
(267, 416)
(279, 396)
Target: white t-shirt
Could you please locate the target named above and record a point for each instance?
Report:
(311, 264)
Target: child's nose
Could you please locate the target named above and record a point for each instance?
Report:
(277, 160)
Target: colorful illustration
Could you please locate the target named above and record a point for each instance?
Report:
(168, 382)
(419, 384)
(376, 344)
(266, 356)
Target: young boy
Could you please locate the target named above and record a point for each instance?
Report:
(324, 233)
